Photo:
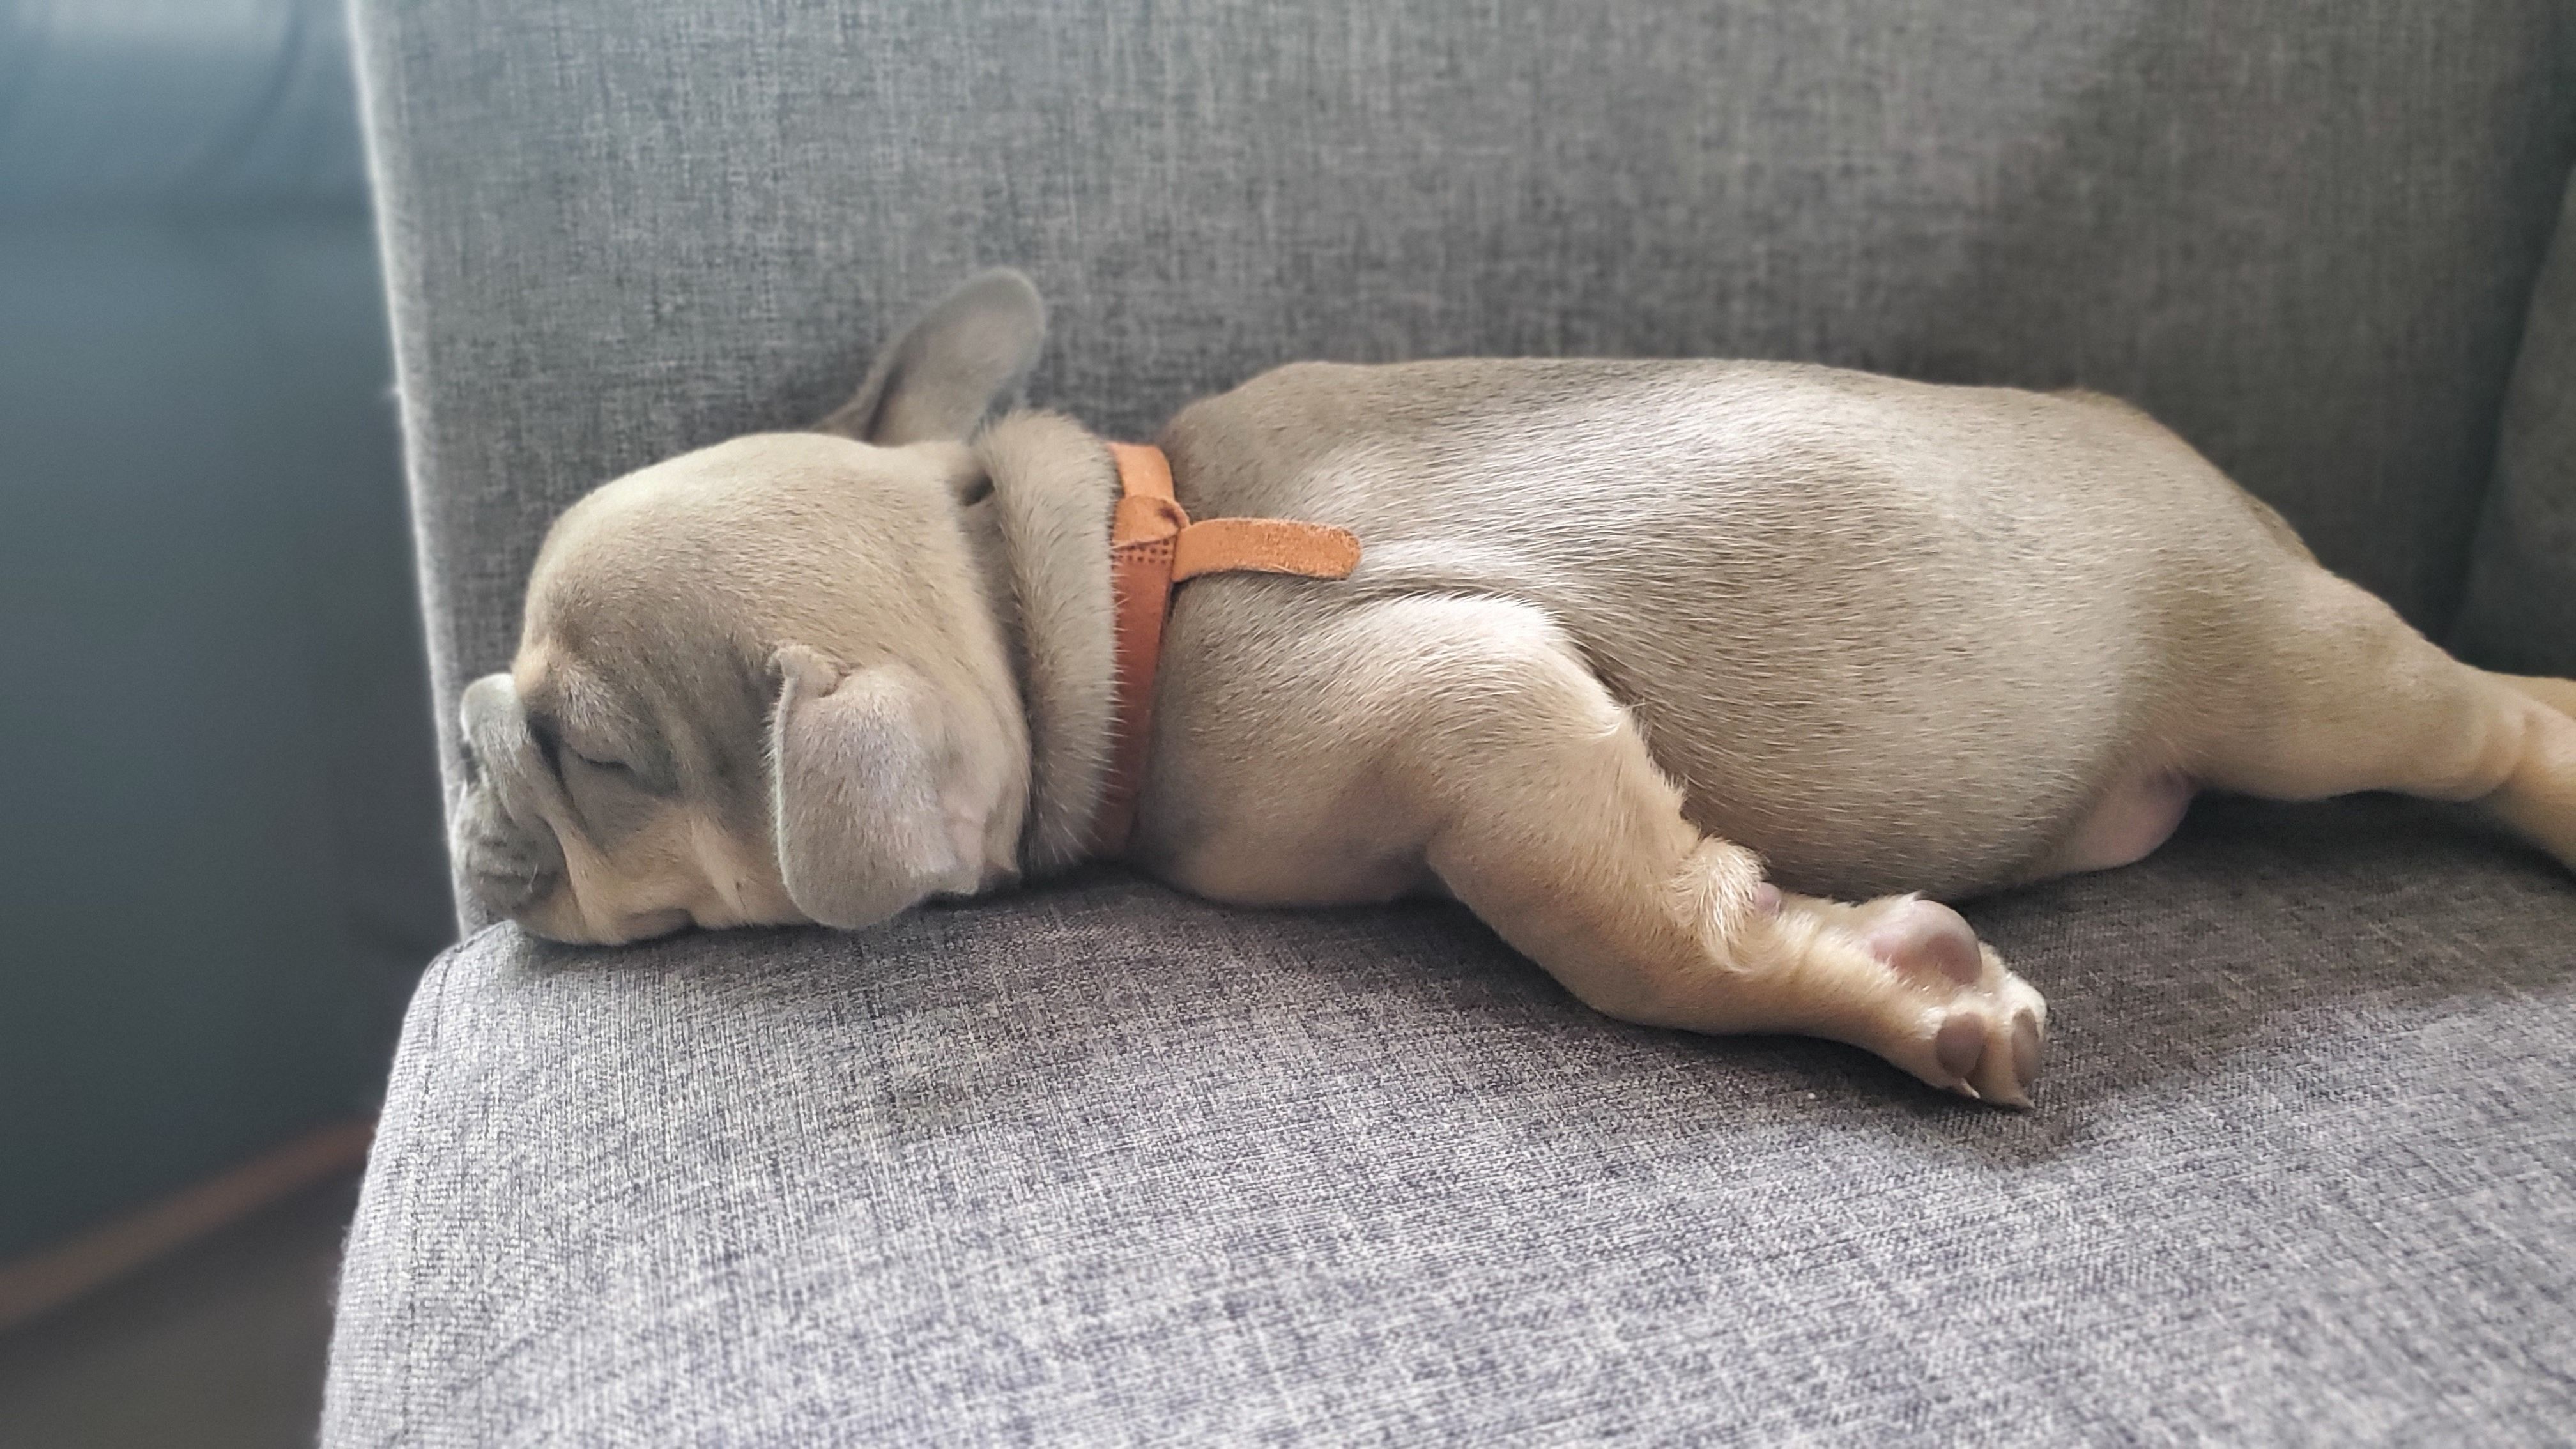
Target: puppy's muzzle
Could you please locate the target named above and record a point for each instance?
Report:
(498, 830)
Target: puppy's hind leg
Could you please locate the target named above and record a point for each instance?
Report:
(2344, 696)
(2558, 694)
(1554, 825)
(2539, 797)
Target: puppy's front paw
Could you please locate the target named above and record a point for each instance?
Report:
(1959, 1018)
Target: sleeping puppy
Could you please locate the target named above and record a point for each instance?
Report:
(1700, 682)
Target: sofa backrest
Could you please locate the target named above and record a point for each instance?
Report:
(2302, 232)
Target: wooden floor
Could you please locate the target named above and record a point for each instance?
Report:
(219, 1345)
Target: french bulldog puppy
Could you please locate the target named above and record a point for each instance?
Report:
(1700, 682)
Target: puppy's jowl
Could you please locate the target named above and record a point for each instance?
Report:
(1653, 665)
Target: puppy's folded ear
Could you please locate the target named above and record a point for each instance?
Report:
(948, 370)
(868, 823)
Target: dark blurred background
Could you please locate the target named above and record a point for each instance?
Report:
(221, 867)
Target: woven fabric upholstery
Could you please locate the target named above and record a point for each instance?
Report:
(1102, 1164)
(1106, 1165)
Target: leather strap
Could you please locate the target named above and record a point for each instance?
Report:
(1153, 546)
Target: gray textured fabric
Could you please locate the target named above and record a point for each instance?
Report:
(2520, 613)
(2301, 231)
(1103, 1164)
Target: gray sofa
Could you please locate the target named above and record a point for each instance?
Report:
(1099, 1163)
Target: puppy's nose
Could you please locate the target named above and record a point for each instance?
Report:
(511, 858)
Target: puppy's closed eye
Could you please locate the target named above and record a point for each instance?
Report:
(604, 766)
(646, 774)
(565, 756)
(610, 797)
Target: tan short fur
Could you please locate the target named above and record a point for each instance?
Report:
(1645, 662)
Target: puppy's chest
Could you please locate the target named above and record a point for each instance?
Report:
(1229, 818)
(1267, 779)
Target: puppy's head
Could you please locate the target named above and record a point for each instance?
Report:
(760, 683)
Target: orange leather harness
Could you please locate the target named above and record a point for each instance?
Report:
(1153, 546)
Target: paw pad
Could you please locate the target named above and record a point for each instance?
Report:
(1927, 936)
(1960, 1042)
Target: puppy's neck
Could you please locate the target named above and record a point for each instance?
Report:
(1042, 540)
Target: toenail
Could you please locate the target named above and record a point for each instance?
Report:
(1766, 899)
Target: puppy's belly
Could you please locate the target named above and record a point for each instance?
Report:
(1949, 834)
(2139, 812)
(1350, 853)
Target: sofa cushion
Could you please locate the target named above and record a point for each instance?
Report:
(1102, 1163)
(2520, 613)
